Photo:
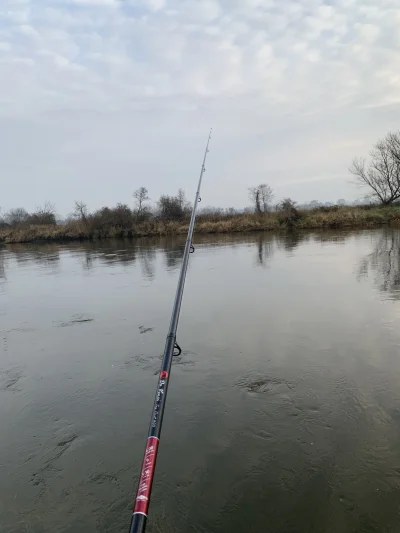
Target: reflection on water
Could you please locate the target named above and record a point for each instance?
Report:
(384, 262)
(283, 413)
(145, 250)
(2, 267)
(292, 240)
(265, 250)
(173, 255)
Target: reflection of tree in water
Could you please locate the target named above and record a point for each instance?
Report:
(147, 256)
(290, 240)
(106, 252)
(334, 237)
(384, 262)
(112, 252)
(88, 260)
(44, 255)
(267, 243)
(116, 251)
(173, 250)
(122, 256)
(2, 266)
(293, 239)
(265, 249)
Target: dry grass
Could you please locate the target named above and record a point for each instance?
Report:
(348, 217)
(342, 217)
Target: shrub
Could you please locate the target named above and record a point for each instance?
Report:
(288, 213)
(120, 217)
(170, 208)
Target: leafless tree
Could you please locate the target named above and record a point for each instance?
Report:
(393, 142)
(45, 215)
(183, 202)
(16, 216)
(141, 195)
(181, 197)
(314, 204)
(382, 173)
(261, 197)
(266, 195)
(254, 195)
(81, 211)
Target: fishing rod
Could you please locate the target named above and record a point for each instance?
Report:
(172, 348)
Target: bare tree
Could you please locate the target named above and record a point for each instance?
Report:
(183, 202)
(266, 195)
(16, 216)
(254, 195)
(45, 215)
(181, 197)
(382, 173)
(261, 197)
(314, 204)
(141, 195)
(81, 211)
(2, 218)
(393, 142)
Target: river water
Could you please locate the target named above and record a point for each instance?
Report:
(283, 412)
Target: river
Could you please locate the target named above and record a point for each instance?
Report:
(283, 412)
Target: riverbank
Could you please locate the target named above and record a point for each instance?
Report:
(322, 218)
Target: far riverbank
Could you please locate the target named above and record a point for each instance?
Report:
(321, 218)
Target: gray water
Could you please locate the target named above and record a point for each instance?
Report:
(283, 412)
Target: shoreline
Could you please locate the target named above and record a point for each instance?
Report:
(335, 218)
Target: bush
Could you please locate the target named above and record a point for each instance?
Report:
(288, 213)
(327, 209)
(120, 217)
(170, 208)
(42, 219)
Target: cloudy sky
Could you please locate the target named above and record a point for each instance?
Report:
(99, 97)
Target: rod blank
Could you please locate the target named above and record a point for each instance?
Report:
(142, 501)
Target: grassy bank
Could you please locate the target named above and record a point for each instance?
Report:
(334, 217)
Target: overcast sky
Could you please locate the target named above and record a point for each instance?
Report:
(99, 97)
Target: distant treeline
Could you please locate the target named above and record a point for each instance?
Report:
(380, 175)
(173, 208)
(123, 222)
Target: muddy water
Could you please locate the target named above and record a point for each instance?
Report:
(283, 412)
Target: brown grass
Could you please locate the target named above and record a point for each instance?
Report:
(337, 217)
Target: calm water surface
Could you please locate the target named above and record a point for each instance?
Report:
(283, 412)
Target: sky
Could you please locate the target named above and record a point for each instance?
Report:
(100, 97)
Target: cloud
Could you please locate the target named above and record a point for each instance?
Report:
(368, 33)
(28, 31)
(15, 60)
(251, 67)
(204, 11)
(96, 3)
(5, 47)
(156, 5)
